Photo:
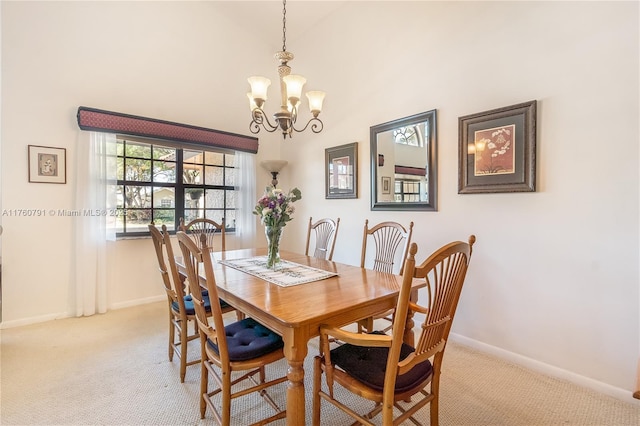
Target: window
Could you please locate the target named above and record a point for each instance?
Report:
(410, 135)
(407, 190)
(162, 183)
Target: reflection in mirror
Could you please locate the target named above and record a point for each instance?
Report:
(403, 163)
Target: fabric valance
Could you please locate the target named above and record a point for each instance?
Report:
(114, 122)
(406, 170)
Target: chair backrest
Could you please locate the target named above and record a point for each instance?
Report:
(207, 227)
(444, 273)
(167, 265)
(326, 232)
(199, 259)
(389, 238)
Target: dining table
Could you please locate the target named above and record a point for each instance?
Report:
(296, 311)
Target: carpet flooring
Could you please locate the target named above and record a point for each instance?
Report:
(113, 369)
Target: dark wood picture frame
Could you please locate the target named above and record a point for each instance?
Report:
(47, 164)
(497, 150)
(341, 171)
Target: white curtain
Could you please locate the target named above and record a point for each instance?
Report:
(246, 197)
(94, 226)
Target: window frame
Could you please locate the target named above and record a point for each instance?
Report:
(179, 186)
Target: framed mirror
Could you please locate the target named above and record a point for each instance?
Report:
(404, 163)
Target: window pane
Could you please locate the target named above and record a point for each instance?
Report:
(137, 170)
(137, 220)
(137, 197)
(229, 160)
(140, 150)
(230, 219)
(192, 174)
(164, 153)
(231, 199)
(213, 158)
(214, 176)
(119, 147)
(120, 168)
(230, 177)
(193, 198)
(164, 217)
(216, 215)
(192, 156)
(164, 171)
(119, 191)
(189, 215)
(214, 198)
(164, 197)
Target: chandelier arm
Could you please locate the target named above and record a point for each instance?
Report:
(259, 118)
(316, 127)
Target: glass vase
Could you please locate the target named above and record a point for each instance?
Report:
(273, 234)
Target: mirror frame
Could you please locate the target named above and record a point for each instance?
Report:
(432, 175)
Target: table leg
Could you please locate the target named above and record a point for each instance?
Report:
(295, 350)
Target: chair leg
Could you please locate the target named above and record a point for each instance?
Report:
(184, 341)
(317, 377)
(226, 397)
(172, 336)
(435, 390)
(204, 384)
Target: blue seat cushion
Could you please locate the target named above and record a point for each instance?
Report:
(188, 304)
(247, 339)
(369, 365)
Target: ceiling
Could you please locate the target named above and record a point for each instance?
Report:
(263, 18)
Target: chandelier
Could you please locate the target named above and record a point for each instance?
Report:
(290, 92)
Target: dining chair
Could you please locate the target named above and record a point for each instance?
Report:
(325, 234)
(181, 309)
(244, 347)
(382, 368)
(208, 227)
(390, 242)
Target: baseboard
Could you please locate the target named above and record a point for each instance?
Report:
(547, 369)
(136, 302)
(62, 315)
(33, 320)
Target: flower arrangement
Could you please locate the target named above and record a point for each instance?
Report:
(275, 208)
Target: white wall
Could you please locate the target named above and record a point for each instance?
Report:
(554, 275)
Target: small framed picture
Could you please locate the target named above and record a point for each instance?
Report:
(47, 164)
(497, 150)
(341, 171)
(386, 184)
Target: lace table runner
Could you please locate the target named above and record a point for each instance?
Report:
(287, 273)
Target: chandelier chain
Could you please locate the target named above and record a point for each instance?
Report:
(284, 25)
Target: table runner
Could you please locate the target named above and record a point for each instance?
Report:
(287, 274)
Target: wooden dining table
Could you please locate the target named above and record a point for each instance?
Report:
(296, 312)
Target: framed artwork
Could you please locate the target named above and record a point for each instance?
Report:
(47, 164)
(386, 184)
(497, 150)
(341, 171)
